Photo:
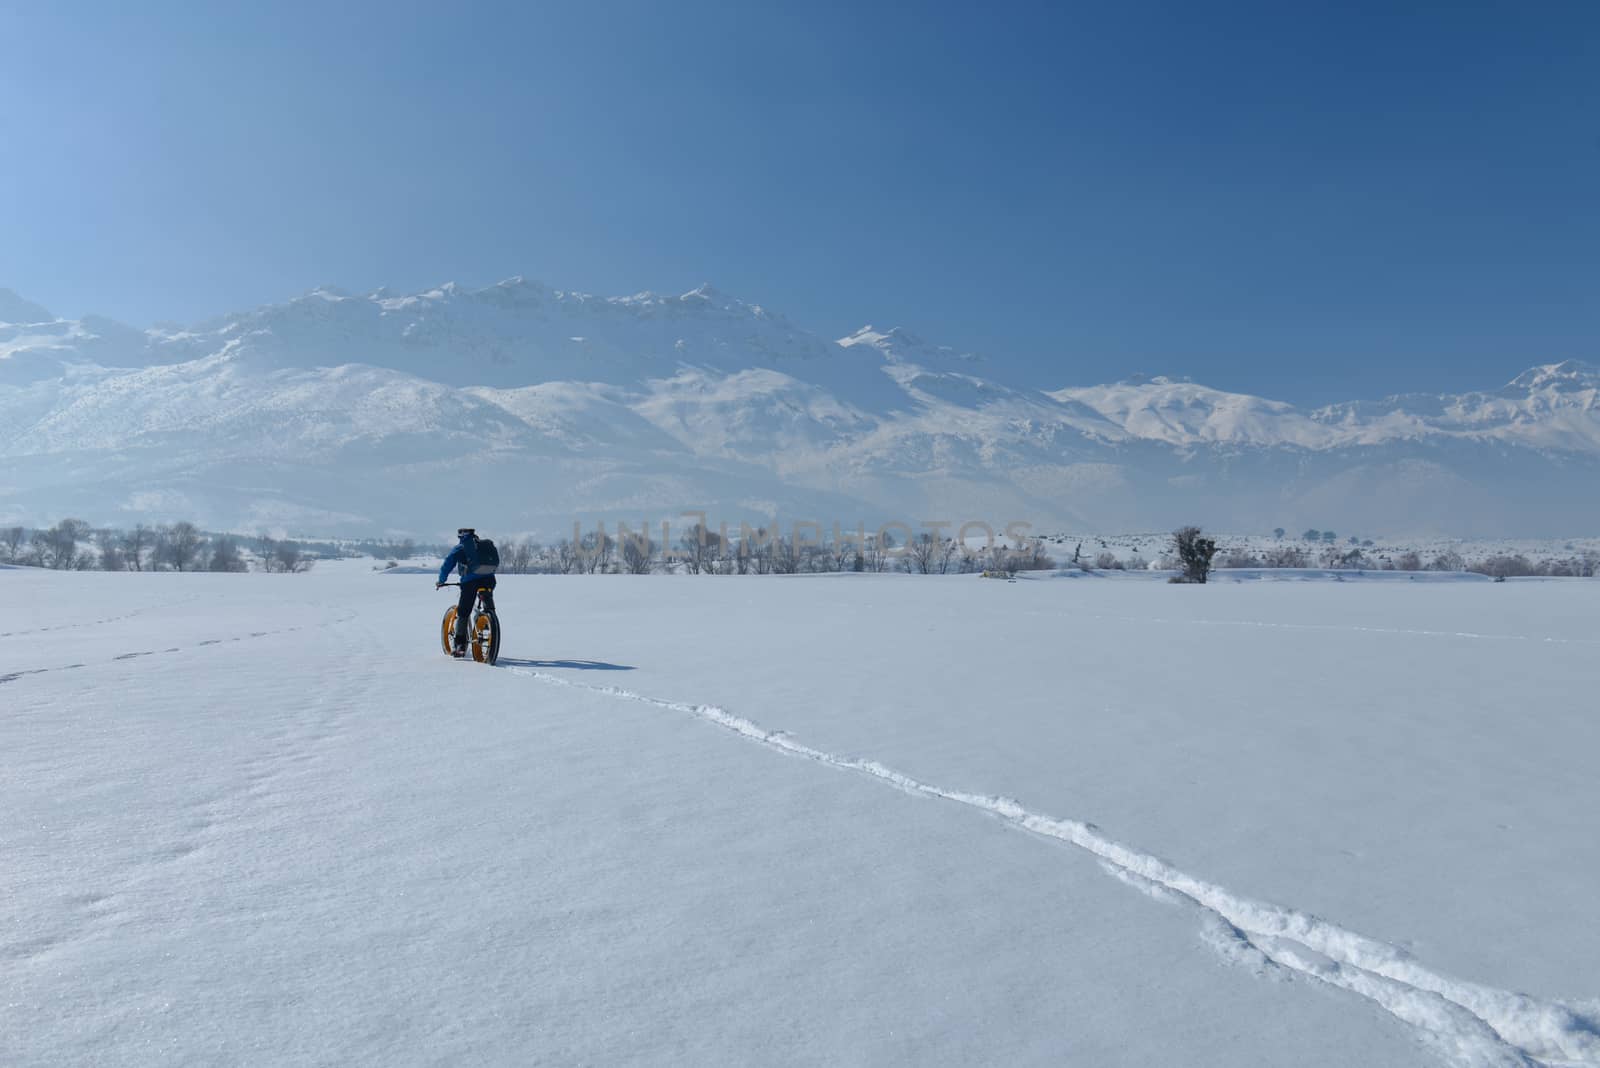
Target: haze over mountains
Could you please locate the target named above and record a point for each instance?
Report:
(522, 408)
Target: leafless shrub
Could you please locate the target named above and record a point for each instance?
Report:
(1284, 556)
(1337, 559)
(1504, 566)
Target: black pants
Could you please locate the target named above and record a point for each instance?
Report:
(469, 594)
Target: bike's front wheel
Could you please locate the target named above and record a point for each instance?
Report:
(447, 631)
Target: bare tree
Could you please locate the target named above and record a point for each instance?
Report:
(1408, 561)
(781, 556)
(1449, 560)
(844, 554)
(756, 549)
(594, 552)
(522, 556)
(111, 555)
(225, 556)
(921, 552)
(1107, 561)
(11, 541)
(136, 543)
(180, 545)
(1027, 555)
(699, 549)
(638, 554)
(566, 557)
(286, 557)
(58, 547)
(33, 553)
(878, 556)
(1194, 554)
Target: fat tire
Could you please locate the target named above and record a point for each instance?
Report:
(494, 637)
(447, 631)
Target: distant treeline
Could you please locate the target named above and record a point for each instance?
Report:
(764, 551)
(1579, 565)
(75, 545)
(1356, 557)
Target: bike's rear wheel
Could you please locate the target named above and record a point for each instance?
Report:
(485, 637)
(447, 631)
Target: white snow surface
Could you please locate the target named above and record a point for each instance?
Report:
(259, 819)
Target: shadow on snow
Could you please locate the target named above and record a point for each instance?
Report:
(571, 665)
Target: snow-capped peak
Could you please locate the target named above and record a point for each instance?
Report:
(1563, 377)
(704, 291)
(16, 310)
(899, 345)
(1186, 413)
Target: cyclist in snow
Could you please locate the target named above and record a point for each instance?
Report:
(476, 573)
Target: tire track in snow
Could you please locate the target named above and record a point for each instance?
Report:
(1350, 627)
(96, 622)
(13, 676)
(1469, 1023)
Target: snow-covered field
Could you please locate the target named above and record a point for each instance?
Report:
(259, 819)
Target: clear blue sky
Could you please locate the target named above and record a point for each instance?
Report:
(1308, 200)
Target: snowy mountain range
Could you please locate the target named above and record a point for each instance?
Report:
(523, 408)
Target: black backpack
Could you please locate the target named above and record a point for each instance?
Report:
(486, 558)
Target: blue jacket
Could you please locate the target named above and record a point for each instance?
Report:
(464, 556)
